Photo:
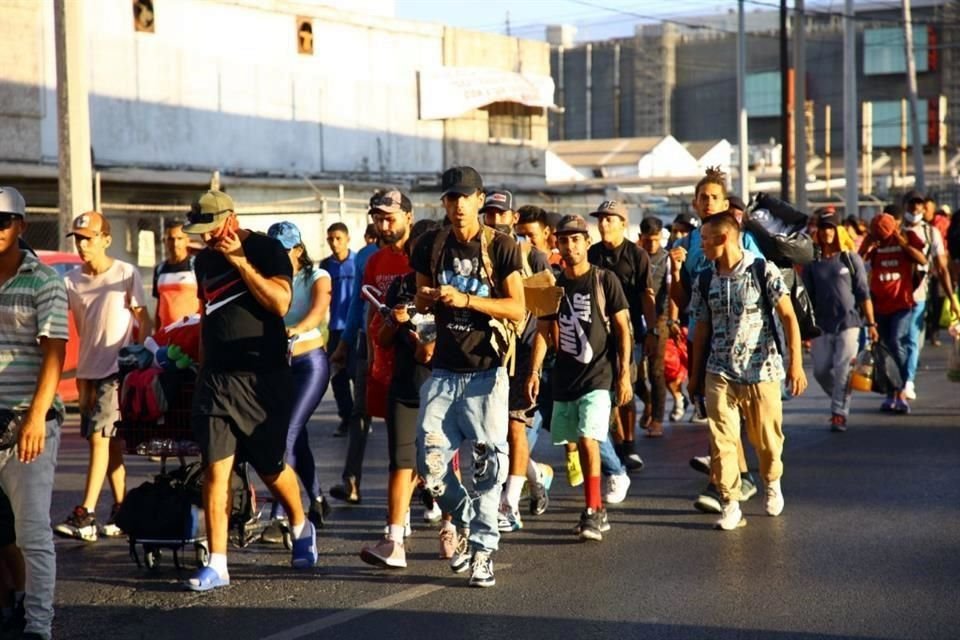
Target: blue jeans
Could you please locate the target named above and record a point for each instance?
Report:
(311, 374)
(466, 406)
(915, 340)
(894, 331)
(610, 464)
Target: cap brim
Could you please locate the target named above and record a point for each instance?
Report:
(570, 232)
(81, 233)
(394, 209)
(196, 228)
(460, 191)
(597, 214)
(495, 205)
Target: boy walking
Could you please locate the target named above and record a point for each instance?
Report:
(733, 305)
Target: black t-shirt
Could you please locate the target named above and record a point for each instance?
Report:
(632, 267)
(408, 374)
(658, 273)
(464, 336)
(587, 350)
(238, 334)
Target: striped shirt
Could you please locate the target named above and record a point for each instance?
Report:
(33, 305)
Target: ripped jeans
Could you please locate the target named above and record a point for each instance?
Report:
(466, 406)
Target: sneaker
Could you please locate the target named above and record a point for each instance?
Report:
(838, 423)
(111, 530)
(909, 391)
(701, 464)
(709, 500)
(460, 560)
(348, 492)
(539, 491)
(432, 514)
(386, 553)
(275, 532)
(901, 406)
(774, 501)
(679, 409)
(481, 570)
(632, 460)
(80, 525)
(617, 487)
(508, 520)
(574, 472)
(304, 553)
(888, 405)
(748, 488)
(319, 512)
(731, 517)
(448, 542)
(699, 410)
(592, 524)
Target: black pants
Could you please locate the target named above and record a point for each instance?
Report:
(341, 380)
(359, 422)
(935, 303)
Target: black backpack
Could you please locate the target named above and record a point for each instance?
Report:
(162, 509)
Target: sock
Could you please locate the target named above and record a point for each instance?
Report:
(618, 448)
(627, 448)
(514, 488)
(533, 472)
(591, 490)
(396, 533)
(218, 562)
(299, 530)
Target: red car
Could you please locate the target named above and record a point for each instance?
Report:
(64, 262)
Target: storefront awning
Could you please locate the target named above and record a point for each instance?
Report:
(448, 92)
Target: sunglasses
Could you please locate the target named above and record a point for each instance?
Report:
(383, 201)
(6, 220)
(197, 216)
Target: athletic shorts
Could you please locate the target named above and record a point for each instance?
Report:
(104, 414)
(244, 414)
(586, 417)
(401, 435)
(521, 409)
(8, 532)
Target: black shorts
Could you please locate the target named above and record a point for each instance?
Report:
(521, 409)
(401, 435)
(244, 414)
(8, 532)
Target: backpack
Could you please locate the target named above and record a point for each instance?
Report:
(166, 508)
(758, 270)
(920, 271)
(505, 332)
(142, 398)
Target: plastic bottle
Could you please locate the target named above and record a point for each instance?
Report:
(861, 374)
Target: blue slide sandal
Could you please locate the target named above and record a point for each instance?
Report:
(206, 579)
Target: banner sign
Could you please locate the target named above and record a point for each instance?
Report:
(448, 92)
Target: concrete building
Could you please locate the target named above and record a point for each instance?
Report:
(300, 105)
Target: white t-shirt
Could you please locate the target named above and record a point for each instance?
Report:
(101, 307)
(933, 249)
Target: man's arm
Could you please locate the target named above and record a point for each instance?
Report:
(144, 322)
(510, 307)
(916, 255)
(621, 325)
(538, 353)
(33, 432)
(273, 294)
(796, 379)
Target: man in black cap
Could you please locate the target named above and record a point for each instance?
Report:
(498, 213)
(468, 275)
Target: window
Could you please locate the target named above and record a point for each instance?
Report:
(883, 50)
(143, 16)
(886, 124)
(305, 36)
(763, 94)
(510, 120)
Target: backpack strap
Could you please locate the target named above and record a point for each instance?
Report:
(436, 254)
(759, 271)
(601, 297)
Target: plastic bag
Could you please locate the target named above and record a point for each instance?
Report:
(886, 373)
(953, 358)
(947, 317)
(780, 232)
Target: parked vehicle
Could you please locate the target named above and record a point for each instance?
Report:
(64, 262)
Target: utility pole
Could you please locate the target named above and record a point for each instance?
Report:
(785, 133)
(826, 149)
(912, 92)
(73, 115)
(800, 105)
(850, 110)
(743, 148)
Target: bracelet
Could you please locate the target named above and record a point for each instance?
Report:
(870, 324)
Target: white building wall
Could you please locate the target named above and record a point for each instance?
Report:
(668, 159)
(720, 155)
(221, 85)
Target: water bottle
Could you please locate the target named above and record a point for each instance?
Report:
(861, 375)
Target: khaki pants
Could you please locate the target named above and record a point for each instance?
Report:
(763, 413)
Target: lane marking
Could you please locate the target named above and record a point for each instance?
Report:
(347, 615)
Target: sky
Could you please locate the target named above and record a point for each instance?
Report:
(594, 19)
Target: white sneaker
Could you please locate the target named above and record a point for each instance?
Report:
(910, 390)
(774, 502)
(617, 487)
(732, 517)
(433, 515)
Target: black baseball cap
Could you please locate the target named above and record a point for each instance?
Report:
(828, 218)
(462, 180)
(499, 199)
(688, 219)
(737, 203)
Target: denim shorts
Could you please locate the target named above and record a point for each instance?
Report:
(586, 417)
(105, 412)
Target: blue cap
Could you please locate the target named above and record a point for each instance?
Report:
(286, 232)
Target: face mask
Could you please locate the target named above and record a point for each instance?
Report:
(912, 218)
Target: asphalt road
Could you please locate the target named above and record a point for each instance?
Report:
(868, 547)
